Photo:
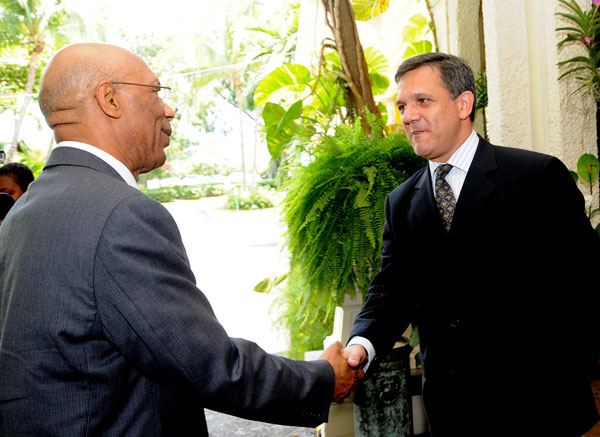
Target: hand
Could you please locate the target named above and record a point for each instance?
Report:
(346, 378)
(356, 355)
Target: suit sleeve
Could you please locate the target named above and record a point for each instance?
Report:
(153, 313)
(387, 311)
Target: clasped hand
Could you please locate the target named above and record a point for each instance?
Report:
(346, 377)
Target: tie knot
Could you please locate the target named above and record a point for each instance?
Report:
(443, 170)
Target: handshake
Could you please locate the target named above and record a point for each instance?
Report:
(347, 365)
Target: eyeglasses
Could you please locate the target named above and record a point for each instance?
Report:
(162, 91)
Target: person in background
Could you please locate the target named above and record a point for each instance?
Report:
(15, 179)
(102, 328)
(488, 251)
(6, 203)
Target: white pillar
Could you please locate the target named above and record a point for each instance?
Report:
(528, 106)
(507, 65)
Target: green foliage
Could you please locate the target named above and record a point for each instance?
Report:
(290, 77)
(297, 104)
(583, 29)
(168, 194)
(481, 89)
(307, 322)
(588, 169)
(334, 215)
(34, 159)
(258, 198)
(204, 169)
(414, 34)
(280, 126)
(366, 9)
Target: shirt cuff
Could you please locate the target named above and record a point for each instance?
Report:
(367, 345)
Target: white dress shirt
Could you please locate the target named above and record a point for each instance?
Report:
(104, 156)
(461, 162)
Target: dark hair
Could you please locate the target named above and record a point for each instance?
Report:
(454, 72)
(20, 173)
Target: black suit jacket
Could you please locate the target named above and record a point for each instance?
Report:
(504, 302)
(102, 328)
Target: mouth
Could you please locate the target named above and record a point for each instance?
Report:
(417, 132)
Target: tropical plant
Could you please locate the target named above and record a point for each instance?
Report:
(588, 169)
(300, 106)
(364, 10)
(334, 215)
(32, 25)
(583, 29)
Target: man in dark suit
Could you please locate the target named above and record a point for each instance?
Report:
(102, 328)
(494, 260)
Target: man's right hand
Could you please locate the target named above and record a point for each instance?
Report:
(356, 355)
(346, 378)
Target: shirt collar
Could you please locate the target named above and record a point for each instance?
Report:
(462, 157)
(104, 156)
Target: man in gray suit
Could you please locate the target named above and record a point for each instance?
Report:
(102, 328)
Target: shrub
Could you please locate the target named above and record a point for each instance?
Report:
(334, 211)
(168, 194)
(258, 198)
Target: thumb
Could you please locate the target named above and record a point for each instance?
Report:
(354, 359)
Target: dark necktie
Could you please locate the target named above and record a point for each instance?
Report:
(444, 195)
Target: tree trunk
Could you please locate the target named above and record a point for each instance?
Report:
(355, 72)
(32, 70)
(238, 91)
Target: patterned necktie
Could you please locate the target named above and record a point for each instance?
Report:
(444, 195)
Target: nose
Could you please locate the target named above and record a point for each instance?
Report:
(410, 114)
(169, 112)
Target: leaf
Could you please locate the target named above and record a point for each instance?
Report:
(264, 286)
(416, 28)
(280, 126)
(417, 48)
(289, 77)
(574, 175)
(378, 67)
(588, 167)
(366, 9)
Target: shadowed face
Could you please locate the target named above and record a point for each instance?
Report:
(9, 186)
(433, 121)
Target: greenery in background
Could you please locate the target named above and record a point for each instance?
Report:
(583, 29)
(168, 194)
(34, 159)
(28, 29)
(256, 198)
(334, 215)
(338, 178)
(588, 169)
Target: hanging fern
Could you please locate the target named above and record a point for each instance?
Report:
(334, 212)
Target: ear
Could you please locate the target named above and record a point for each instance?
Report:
(465, 104)
(107, 100)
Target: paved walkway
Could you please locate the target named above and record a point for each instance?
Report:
(230, 252)
(222, 425)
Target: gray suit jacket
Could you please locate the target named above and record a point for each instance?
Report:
(103, 330)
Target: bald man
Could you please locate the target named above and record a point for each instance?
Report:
(102, 328)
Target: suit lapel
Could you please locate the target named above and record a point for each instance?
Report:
(477, 186)
(423, 206)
